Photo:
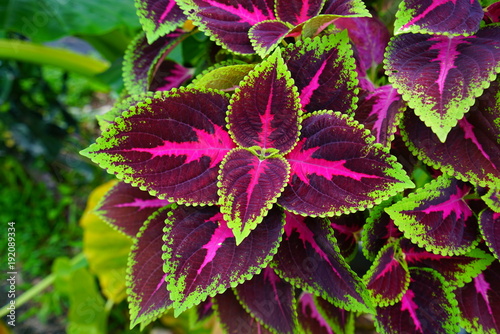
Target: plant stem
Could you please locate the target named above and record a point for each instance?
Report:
(44, 55)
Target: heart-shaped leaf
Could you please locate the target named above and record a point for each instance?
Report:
(158, 17)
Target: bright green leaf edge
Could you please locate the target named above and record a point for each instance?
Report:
(222, 76)
(259, 49)
(149, 27)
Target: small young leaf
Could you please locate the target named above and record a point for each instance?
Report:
(158, 17)
(265, 36)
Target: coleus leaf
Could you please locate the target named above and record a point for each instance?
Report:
(323, 70)
(168, 75)
(204, 310)
(479, 302)
(310, 319)
(146, 282)
(335, 168)
(444, 17)
(170, 145)
(142, 60)
(345, 229)
(492, 13)
(437, 217)
(158, 17)
(234, 318)
(489, 224)
(381, 112)
(269, 121)
(441, 76)
(126, 208)
(340, 320)
(270, 300)
(266, 35)
(471, 152)
(297, 11)
(202, 258)
(428, 306)
(388, 278)
(309, 258)
(248, 188)
(224, 76)
(492, 199)
(345, 7)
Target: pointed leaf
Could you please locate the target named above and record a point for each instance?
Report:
(201, 256)
(447, 17)
(427, 306)
(146, 286)
(270, 300)
(170, 145)
(310, 319)
(309, 258)
(340, 320)
(248, 187)
(324, 72)
(345, 7)
(265, 110)
(168, 75)
(437, 218)
(225, 77)
(335, 169)
(158, 17)
(266, 35)
(489, 223)
(440, 76)
(126, 208)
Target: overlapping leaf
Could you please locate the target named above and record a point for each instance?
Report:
(225, 76)
(346, 229)
(340, 320)
(266, 35)
(170, 145)
(169, 74)
(158, 17)
(202, 258)
(310, 319)
(489, 223)
(355, 8)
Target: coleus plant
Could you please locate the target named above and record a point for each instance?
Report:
(249, 189)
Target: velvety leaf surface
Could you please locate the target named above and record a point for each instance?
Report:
(309, 258)
(225, 77)
(340, 320)
(345, 7)
(168, 75)
(437, 217)
(324, 72)
(126, 208)
(248, 187)
(270, 300)
(265, 110)
(228, 22)
(146, 282)
(471, 152)
(428, 306)
(479, 302)
(234, 318)
(310, 319)
(346, 229)
(388, 278)
(170, 145)
(266, 35)
(297, 11)
(335, 169)
(141, 60)
(202, 258)
(440, 76)
(447, 17)
(489, 224)
(158, 17)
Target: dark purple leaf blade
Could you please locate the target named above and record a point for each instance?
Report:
(228, 22)
(335, 169)
(354, 8)
(158, 17)
(489, 224)
(265, 111)
(492, 13)
(479, 302)
(266, 35)
(428, 306)
(248, 188)
(170, 145)
(297, 11)
(324, 72)
(441, 76)
(270, 300)
(126, 208)
(340, 320)
(492, 199)
(310, 318)
(234, 318)
(448, 17)
(346, 229)
(309, 258)
(204, 310)
(201, 256)
(146, 282)
(437, 217)
(168, 75)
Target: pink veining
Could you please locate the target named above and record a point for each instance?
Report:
(482, 288)
(221, 233)
(407, 304)
(455, 204)
(427, 10)
(469, 134)
(266, 120)
(386, 97)
(307, 91)
(143, 204)
(246, 16)
(167, 10)
(307, 301)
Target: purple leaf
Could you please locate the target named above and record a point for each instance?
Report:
(492, 13)
(228, 22)
(126, 208)
(297, 11)
(266, 35)
(489, 223)
(204, 310)
(426, 307)
(440, 76)
(310, 319)
(442, 17)
(201, 256)
(324, 72)
(492, 199)
(309, 258)
(146, 282)
(234, 318)
(381, 112)
(336, 170)
(471, 152)
(345, 7)
(345, 229)
(270, 300)
(479, 302)
(248, 187)
(158, 17)
(170, 145)
(265, 110)
(340, 320)
(169, 75)
(437, 217)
